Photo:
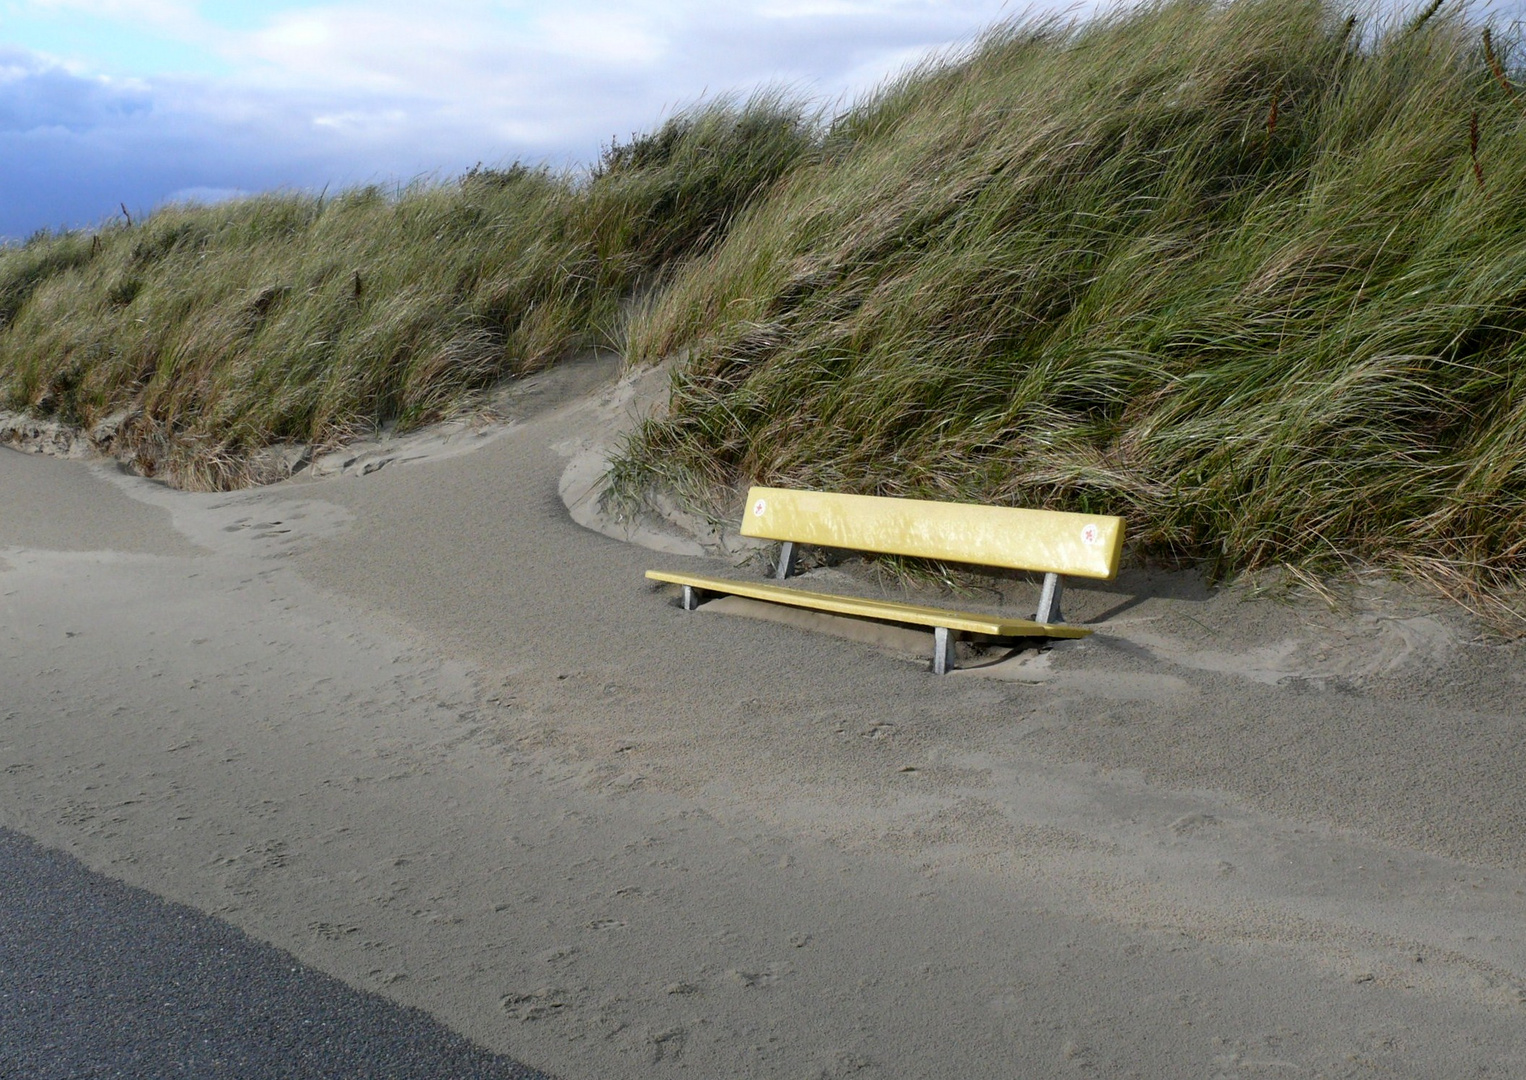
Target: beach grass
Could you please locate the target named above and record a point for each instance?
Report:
(1251, 275)
(206, 333)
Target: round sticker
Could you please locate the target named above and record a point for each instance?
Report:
(758, 508)
(1091, 536)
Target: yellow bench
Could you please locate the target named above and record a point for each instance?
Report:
(1045, 541)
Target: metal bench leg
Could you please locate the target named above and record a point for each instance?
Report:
(1049, 600)
(690, 598)
(943, 650)
(788, 557)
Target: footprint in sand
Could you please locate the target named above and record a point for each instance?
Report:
(668, 1045)
(332, 931)
(758, 980)
(1191, 823)
(536, 1005)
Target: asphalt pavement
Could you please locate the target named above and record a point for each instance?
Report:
(99, 979)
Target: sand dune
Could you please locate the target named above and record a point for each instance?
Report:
(419, 726)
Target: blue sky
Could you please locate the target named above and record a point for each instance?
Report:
(105, 102)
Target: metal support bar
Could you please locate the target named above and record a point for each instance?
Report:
(943, 650)
(690, 598)
(1049, 600)
(789, 555)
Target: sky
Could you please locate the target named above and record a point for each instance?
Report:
(135, 103)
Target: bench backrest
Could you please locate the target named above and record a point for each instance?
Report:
(1047, 541)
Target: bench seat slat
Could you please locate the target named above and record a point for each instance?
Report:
(890, 610)
(1048, 541)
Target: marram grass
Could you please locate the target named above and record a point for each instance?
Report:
(211, 332)
(1251, 275)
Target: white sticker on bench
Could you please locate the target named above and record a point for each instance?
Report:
(758, 508)
(1091, 536)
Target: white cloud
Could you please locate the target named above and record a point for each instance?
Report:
(206, 196)
(370, 124)
(344, 92)
(622, 38)
(811, 9)
(36, 93)
(160, 12)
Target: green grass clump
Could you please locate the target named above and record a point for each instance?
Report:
(1251, 275)
(221, 330)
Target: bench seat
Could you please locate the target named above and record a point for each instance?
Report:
(1052, 543)
(866, 608)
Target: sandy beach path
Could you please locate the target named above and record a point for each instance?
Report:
(424, 731)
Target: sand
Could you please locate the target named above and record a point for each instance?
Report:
(413, 722)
